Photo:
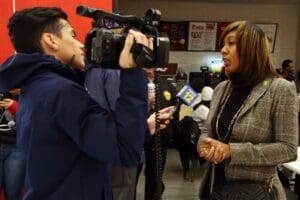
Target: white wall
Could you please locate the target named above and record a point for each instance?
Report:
(286, 15)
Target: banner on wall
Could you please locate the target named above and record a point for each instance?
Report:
(270, 30)
(80, 24)
(220, 28)
(177, 33)
(202, 36)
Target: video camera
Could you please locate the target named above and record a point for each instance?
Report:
(103, 47)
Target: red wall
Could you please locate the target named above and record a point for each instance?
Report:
(80, 24)
(6, 10)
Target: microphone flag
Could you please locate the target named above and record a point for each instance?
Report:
(187, 95)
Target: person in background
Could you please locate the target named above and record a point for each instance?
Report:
(156, 147)
(189, 129)
(103, 85)
(288, 70)
(66, 138)
(12, 166)
(298, 82)
(197, 84)
(252, 125)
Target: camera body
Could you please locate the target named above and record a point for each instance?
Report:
(103, 46)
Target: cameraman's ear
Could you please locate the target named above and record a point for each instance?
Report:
(48, 42)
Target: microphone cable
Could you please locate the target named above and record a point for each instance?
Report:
(157, 136)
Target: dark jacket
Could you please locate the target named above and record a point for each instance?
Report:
(66, 137)
(103, 85)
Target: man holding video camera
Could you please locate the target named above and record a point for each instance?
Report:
(67, 139)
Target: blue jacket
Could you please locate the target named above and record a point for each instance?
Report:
(66, 137)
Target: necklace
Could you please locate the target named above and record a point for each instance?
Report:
(232, 121)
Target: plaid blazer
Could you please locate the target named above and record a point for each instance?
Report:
(264, 134)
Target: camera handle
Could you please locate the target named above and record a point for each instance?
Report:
(142, 55)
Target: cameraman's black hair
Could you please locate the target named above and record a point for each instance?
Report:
(26, 26)
(285, 63)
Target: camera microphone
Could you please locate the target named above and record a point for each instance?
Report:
(86, 11)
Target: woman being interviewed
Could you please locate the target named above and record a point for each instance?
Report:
(252, 125)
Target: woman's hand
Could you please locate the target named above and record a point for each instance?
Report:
(213, 150)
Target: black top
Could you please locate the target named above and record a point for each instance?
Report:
(235, 101)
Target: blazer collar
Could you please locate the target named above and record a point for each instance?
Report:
(255, 94)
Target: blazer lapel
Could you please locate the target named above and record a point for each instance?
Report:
(255, 94)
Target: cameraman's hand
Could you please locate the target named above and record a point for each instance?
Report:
(164, 116)
(126, 58)
(6, 103)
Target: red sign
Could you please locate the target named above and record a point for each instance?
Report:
(6, 10)
(81, 24)
(220, 29)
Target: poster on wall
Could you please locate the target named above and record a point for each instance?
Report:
(177, 33)
(220, 28)
(202, 36)
(270, 30)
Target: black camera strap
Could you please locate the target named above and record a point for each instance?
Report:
(142, 55)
